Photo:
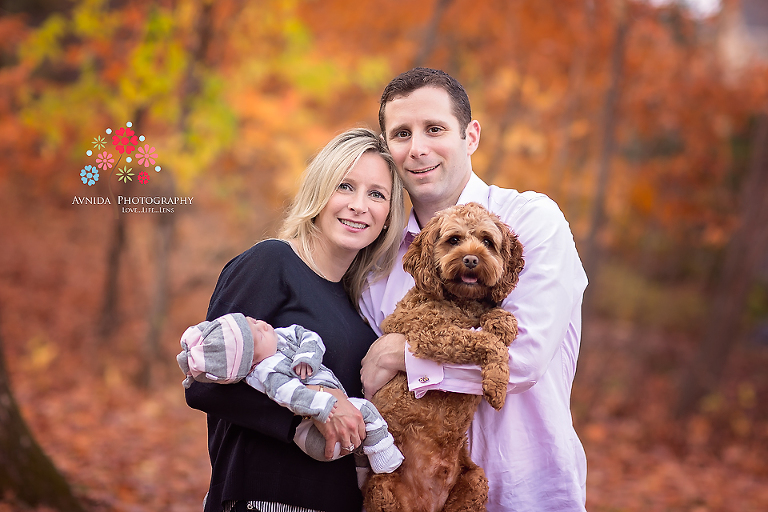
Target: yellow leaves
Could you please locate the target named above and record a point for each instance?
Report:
(41, 352)
(91, 19)
(45, 42)
(371, 72)
(156, 68)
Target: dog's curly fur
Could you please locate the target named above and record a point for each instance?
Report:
(464, 262)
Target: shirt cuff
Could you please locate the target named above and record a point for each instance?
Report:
(423, 374)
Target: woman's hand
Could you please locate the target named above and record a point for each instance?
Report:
(345, 426)
(384, 359)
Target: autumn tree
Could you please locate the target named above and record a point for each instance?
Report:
(745, 251)
(27, 474)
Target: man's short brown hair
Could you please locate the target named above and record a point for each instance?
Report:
(405, 83)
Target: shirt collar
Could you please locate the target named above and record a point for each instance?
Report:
(476, 190)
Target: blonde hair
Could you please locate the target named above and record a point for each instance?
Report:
(320, 180)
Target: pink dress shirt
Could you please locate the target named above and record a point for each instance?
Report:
(529, 450)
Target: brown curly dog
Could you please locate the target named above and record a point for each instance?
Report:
(464, 262)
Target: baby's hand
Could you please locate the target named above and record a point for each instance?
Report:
(303, 370)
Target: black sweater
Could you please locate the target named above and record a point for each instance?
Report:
(250, 437)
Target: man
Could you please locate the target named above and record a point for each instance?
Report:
(529, 450)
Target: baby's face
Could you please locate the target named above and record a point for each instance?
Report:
(264, 339)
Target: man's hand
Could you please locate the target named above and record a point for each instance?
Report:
(345, 427)
(384, 359)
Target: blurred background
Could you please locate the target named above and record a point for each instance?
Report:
(646, 120)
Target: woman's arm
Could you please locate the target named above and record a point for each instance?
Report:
(242, 405)
(244, 286)
(250, 284)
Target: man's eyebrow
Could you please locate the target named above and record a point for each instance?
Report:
(433, 122)
(396, 129)
(425, 124)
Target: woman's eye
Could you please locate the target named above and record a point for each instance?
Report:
(378, 195)
(345, 186)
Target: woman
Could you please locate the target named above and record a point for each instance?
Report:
(345, 222)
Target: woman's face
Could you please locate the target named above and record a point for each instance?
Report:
(357, 210)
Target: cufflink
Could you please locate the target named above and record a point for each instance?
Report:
(424, 379)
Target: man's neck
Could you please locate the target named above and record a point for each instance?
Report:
(425, 211)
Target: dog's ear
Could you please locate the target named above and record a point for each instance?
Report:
(419, 260)
(512, 252)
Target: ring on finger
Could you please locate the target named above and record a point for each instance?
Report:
(351, 448)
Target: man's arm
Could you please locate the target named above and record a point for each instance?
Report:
(544, 302)
(384, 359)
(549, 290)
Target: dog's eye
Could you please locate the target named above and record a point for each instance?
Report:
(454, 240)
(488, 243)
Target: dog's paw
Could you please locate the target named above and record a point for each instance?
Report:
(495, 394)
(501, 323)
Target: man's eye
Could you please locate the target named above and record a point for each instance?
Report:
(435, 129)
(402, 134)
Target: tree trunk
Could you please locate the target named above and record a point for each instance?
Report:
(189, 88)
(744, 253)
(592, 253)
(161, 291)
(108, 317)
(430, 33)
(26, 472)
(511, 113)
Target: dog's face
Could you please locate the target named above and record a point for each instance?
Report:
(467, 252)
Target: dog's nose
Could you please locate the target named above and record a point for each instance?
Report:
(470, 261)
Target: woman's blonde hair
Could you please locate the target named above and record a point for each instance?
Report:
(319, 182)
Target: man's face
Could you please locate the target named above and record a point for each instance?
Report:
(426, 142)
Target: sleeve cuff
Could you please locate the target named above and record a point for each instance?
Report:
(423, 374)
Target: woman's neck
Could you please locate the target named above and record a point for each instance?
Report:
(328, 264)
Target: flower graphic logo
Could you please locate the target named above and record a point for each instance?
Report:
(146, 155)
(125, 141)
(125, 175)
(89, 175)
(104, 161)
